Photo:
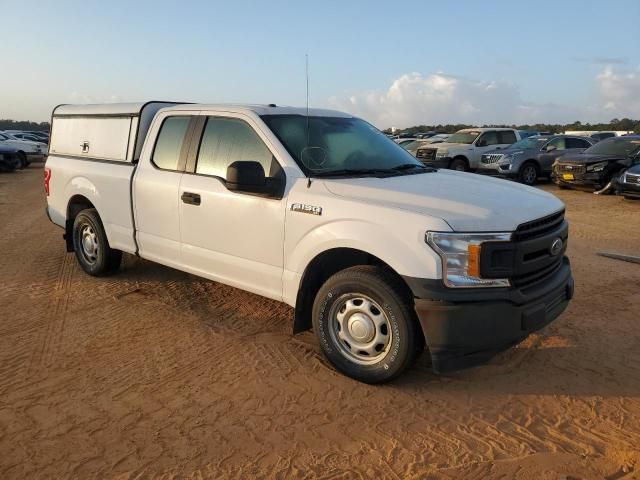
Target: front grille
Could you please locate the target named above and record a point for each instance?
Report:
(536, 276)
(491, 158)
(571, 168)
(426, 154)
(635, 179)
(528, 258)
(538, 228)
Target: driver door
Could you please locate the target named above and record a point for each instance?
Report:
(486, 142)
(233, 237)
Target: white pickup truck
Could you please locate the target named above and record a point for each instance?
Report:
(376, 252)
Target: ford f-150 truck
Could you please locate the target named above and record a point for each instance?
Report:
(379, 254)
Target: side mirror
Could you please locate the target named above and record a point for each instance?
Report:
(481, 143)
(249, 177)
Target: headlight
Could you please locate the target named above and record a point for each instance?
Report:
(460, 254)
(442, 154)
(597, 167)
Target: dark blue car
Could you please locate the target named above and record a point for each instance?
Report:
(9, 159)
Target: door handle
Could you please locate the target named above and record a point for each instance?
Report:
(191, 198)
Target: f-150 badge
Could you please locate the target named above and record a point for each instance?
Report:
(303, 208)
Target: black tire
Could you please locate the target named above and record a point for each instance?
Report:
(22, 160)
(91, 246)
(459, 164)
(529, 173)
(386, 302)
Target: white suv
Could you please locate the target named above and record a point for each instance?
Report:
(463, 149)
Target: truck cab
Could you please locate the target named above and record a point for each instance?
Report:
(379, 254)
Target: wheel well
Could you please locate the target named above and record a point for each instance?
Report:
(461, 157)
(323, 266)
(531, 160)
(76, 204)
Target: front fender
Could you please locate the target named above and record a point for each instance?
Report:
(407, 253)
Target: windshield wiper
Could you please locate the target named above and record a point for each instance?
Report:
(411, 166)
(397, 170)
(354, 171)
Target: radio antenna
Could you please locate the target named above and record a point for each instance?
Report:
(306, 72)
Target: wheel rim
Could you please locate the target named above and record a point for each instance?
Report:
(529, 174)
(89, 246)
(360, 328)
(459, 167)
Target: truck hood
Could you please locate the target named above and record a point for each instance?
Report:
(467, 202)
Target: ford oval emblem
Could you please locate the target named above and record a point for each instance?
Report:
(556, 247)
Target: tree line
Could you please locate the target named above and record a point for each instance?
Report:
(6, 124)
(625, 124)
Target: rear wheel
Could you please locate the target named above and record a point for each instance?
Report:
(529, 173)
(91, 246)
(459, 164)
(366, 326)
(22, 160)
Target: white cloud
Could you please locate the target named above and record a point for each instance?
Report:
(619, 92)
(415, 99)
(77, 97)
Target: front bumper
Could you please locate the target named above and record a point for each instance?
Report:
(495, 169)
(463, 329)
(586, 181)
(36, 156)
(628, 189)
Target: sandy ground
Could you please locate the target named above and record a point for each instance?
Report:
(153, 373)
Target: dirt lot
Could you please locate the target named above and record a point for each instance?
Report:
(156, 373)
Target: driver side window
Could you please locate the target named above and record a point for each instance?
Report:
(487, 139)
(556, 142)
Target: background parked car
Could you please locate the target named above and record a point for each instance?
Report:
(628, 184)
(8, 159)
(462, 150)
(602, 135)
(531, 158)
(598, 165)
(27, 136)
(27, 151)
(404, 141)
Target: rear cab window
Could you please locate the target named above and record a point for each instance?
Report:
(168, 151)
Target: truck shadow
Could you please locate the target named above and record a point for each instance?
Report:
(578, 370)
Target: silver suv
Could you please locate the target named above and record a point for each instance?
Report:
(531, 158)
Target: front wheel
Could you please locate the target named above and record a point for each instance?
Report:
(22, 160)
(528, 173)
(459, 164)
(366, 326)
(91, 246)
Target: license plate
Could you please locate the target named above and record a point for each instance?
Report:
(567, 176)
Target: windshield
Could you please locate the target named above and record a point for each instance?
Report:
(530, 142)
(412, 145)
(615, 146)
(336, 144)
(463, 137)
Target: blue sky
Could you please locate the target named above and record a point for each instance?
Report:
(419, 62)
